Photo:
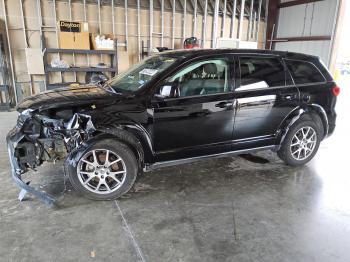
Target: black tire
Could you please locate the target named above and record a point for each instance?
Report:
(120, 149)
(285, 151)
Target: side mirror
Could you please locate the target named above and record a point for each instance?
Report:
(168, 90)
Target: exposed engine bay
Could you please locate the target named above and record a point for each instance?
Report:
(38, 138)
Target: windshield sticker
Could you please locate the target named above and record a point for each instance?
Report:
(148, 71)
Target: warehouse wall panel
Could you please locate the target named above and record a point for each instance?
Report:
(74, 10)
(311, 19)
(315, 19)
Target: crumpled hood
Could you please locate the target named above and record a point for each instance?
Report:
(66, 96)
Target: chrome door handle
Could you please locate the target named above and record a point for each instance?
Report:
(224, 104)
(288, 97)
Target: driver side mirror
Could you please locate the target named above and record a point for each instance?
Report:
(168, 90)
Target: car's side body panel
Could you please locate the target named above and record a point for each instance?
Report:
(193, 125)
(187, 127)
(260, 111)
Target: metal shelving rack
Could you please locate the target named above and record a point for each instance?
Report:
(113, 63)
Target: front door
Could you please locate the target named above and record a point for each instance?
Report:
(198, 118)
(265, 96)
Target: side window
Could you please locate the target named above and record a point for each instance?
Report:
(202, 78)
(304, 72)
(261, 72)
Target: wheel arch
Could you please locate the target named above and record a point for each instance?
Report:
(124, 134)
(314, 111)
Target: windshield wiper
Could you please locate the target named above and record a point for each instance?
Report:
(109, 88)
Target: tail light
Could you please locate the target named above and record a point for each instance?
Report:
(336, 90)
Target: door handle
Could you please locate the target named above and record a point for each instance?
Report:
(289, 97)
(224, 104)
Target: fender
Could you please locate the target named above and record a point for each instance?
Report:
(135, 135)
(295, 115)
(109, 133)
(127, 137)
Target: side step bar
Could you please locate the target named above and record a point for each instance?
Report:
(162, 164)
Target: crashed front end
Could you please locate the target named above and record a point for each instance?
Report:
(37, 138)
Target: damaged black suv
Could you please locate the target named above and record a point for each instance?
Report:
(173, 108)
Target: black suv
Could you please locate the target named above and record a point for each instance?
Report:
(173, 108)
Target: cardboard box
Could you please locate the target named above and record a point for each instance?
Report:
(77, 27)
(95, 45)
(72, 40)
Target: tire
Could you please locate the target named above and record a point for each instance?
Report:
(97, 179)
(296, 152)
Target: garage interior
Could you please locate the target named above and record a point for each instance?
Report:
(246, 208)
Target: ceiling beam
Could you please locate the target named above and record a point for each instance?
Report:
(296, 2)
(302, 38)
(182, 5)
(229, 8)
(201, 4)
(210, 4)
(192, 6)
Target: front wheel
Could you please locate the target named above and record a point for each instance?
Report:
(106, 170)
(301, 143)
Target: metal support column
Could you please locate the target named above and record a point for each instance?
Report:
(25, 41)
(173, 26)
(23, 24)
(184, 22)
(113, 17)
(162, 23)
(233, 17)
(56, 32)
(99, 23)
(150, 26)
(139, 30)
(254, 27)
(204, 29)
(223, 24)
(85, 20)
(259, 19)
(241, 18)
(250, 24)
(38, 5)
(215, 24)
(99, 16)
(10, 54)
(195, 18)
(126, 24)
(73, 55)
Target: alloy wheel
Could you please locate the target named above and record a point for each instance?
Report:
(303, 143)
(101, 171)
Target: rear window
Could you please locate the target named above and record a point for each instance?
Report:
(261, 72)
(304, 72)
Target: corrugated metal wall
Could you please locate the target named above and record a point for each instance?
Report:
(28, 20)
(308, 20)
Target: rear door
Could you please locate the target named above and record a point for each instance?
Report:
(265, 96)
(199, 121)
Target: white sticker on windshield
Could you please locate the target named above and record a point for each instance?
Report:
(148, 71)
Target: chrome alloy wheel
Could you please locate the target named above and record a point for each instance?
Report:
(303, 143)
(101, 171)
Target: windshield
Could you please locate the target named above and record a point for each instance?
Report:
(138, 75)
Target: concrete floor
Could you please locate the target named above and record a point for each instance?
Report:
(229, 209)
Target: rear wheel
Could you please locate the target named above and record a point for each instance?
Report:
(106, 170)
(301, 142)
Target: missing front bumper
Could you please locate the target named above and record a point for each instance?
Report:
(16, 173)
(53, 140)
